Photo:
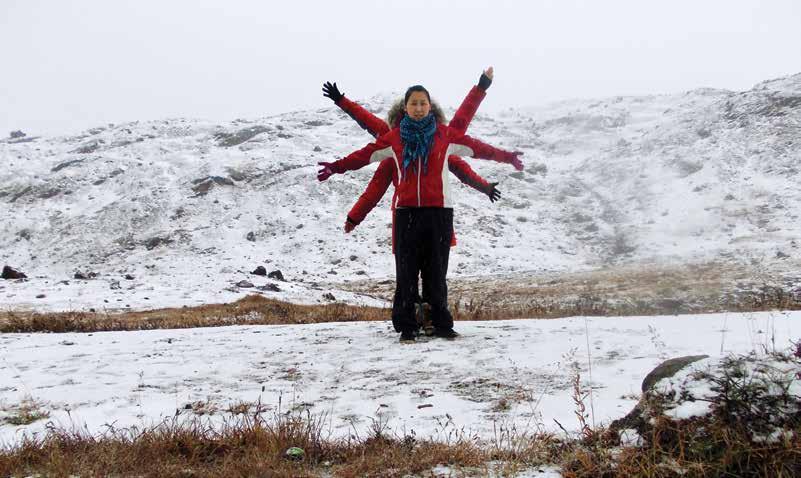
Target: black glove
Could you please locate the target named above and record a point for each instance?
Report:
(493, 192)
(484, 82)
(331, 91)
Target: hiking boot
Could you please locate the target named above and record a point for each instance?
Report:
(428, 330)
(449, 334)
(407, 337)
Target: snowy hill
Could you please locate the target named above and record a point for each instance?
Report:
(189, 207)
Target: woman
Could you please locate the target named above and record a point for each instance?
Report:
(382, 178)
(419, 146)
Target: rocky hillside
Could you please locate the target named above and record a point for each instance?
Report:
(702, 176)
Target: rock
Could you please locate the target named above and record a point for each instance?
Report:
(635, 419)
(244, 284)
(16, 134)
(203, 185)
(87, 148)
(115, 285)
(781, 255)
(353, 257)
(269, 288)
(84, 276)
(66, 164)
(317, 149)
(40, 296)
(11, 273)
(329, 296)
(155, 242)
(251, 236)
(277, 275)
(668, 368)
(226, 140)
(260, 271)
(129, 277)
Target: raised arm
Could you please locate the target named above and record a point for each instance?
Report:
(468, 176)
(464, 114)
(371, 153)
(368, 121)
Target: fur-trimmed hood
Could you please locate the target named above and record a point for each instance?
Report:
(398, 109)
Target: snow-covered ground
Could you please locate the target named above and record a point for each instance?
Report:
(499, 376)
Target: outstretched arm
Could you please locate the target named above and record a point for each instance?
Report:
(375, 191)
(468, 176)
(464, 145)
(368, 121)
(464, 114)
(371, 153)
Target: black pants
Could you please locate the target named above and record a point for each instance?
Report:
(422, 244)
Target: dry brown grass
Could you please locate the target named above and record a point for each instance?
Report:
(251, 446)
(258, 310)
(250, 310)
(699, 448)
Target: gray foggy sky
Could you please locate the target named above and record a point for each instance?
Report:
(67, 66)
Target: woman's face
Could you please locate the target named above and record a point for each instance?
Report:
(418, 106)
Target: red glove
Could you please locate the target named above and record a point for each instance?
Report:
(349, 225)
(514, 159)
(325, 172)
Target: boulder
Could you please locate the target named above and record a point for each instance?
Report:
(636, 419)
(277, 275)
(11, 273)
(259, 271)
(84, 275)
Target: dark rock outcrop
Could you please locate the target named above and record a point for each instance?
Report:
(11, 273)
(203, 185)
(227, 140)
(277, 275)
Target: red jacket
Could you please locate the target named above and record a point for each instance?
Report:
(416, 187)
(464, 115)
(382, 178)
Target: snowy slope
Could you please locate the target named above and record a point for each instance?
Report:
(190, 207)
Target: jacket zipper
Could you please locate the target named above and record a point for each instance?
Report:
(419, 173)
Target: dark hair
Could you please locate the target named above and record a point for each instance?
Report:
(414, 88)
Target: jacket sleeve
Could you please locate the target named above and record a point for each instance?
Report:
(374, 192)
(368, 121)
(464, 145)
(465, 173)
(372, 153)
(464, 115)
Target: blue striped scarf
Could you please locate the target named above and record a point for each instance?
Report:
(417, 138)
